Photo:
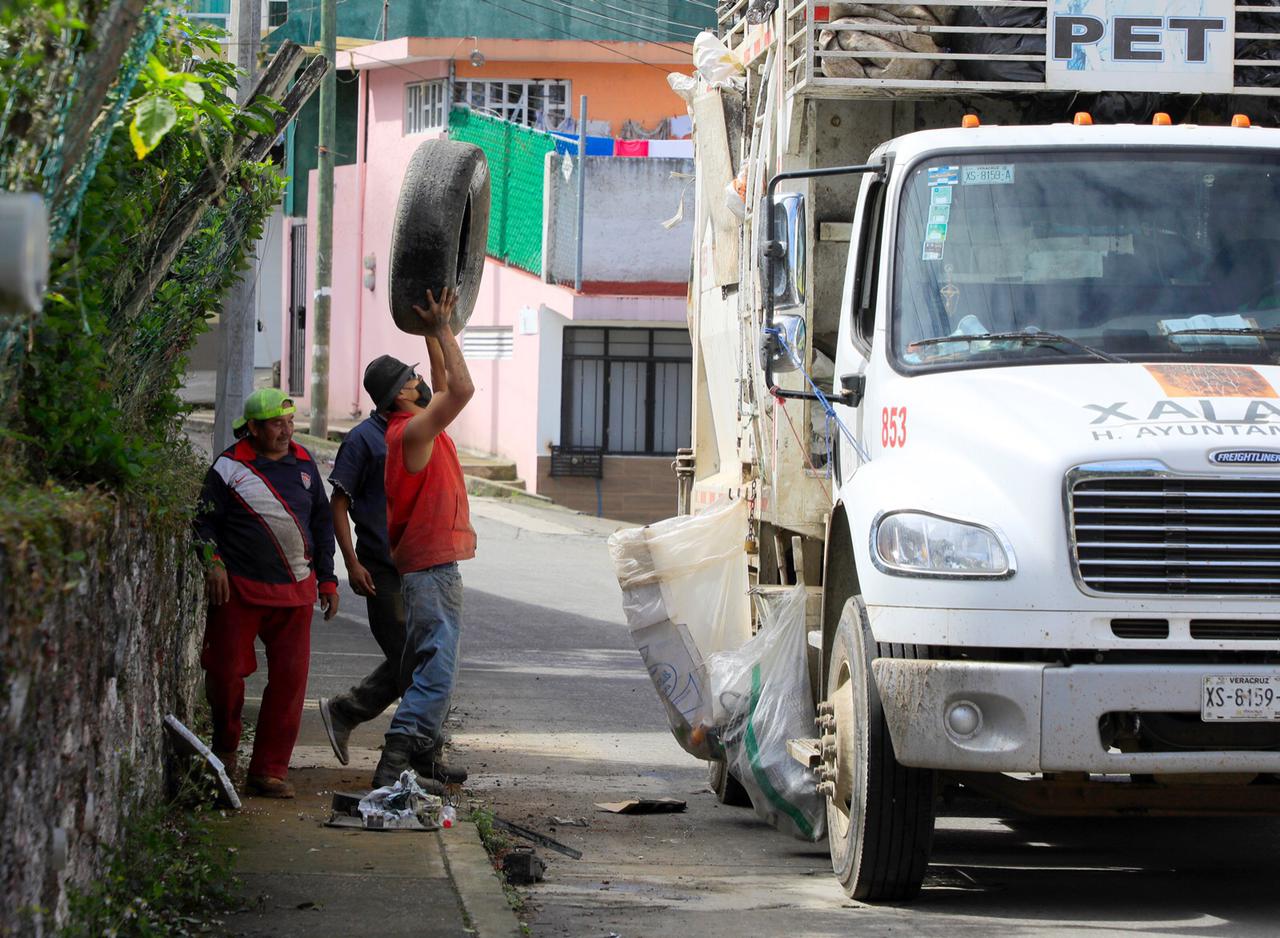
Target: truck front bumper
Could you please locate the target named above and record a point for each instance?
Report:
(990, 717)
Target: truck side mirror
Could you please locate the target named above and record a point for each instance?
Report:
(782, 251)
(778, 348)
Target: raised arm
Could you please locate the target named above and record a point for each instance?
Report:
(439, 374)
(423, 428)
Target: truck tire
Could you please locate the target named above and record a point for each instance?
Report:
(728, 789)
(880, 817)
(441, 231)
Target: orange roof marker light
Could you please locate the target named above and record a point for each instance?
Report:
(1083, 119)
(1161, 119)
(970, 120)
(1240, 120)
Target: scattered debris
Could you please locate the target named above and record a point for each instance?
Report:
(522, 866)
(569, 821)
(403, 806)
(537, 838)
(643, 806)
(195, 746)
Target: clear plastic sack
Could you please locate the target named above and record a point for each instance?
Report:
(713, 60)
(761, 698)
(684, 594)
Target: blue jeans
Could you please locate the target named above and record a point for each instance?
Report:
(433, 614)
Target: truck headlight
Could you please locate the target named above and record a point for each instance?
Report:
(914, 543)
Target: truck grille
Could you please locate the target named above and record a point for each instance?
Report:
(1181, 536)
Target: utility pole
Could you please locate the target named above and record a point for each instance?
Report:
(239, 308)
(582, 189)
(324, 239)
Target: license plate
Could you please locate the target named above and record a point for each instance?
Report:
(1240, 697)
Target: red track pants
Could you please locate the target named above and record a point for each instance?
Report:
(228, 658)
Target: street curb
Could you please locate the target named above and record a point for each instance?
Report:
(477, 883)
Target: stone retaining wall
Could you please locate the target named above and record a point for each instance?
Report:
(97, 644)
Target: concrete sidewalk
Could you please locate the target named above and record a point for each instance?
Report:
(299, 878)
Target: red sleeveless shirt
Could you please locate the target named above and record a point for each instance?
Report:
(428, 518)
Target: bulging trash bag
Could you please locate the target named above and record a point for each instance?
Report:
(761, 698)
(684, 594)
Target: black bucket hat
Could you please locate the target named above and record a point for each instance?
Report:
(383, 379)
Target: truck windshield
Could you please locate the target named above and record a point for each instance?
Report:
(1066, 256)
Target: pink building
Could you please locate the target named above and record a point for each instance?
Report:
(599, 377)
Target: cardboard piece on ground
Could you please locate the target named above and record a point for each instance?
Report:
(643, 806)
(194, 744)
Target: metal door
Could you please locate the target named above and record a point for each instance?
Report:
(298, 309)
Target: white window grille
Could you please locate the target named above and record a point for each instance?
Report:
(277, 13)
(532, 102)
(424, 107)
(482, 343)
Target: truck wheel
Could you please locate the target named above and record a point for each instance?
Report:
(727, 788)
(441, 231)
(880, 816)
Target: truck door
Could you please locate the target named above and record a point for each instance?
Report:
(858, 316)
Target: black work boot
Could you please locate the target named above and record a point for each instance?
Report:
(397, 753)
(427, 762)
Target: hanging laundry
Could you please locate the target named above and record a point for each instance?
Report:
(596, 146)
(671, 149)
(629, 148)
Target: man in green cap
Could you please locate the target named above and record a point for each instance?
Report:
(265, 518)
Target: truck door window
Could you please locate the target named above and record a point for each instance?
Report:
(867, 277)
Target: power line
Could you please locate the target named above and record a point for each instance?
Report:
(656, 19)
(570, 35)
(609, 22)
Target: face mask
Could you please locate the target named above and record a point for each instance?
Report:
(424, 394)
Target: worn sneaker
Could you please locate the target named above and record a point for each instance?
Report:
(269, 787)
(339, 732)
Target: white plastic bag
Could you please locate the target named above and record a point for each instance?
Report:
(684, 593)
(713, 60)
(761, 699)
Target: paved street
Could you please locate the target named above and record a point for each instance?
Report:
(554, 712)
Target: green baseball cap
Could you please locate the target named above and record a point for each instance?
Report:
(264, 404)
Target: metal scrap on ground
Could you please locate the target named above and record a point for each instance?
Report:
(643, 806)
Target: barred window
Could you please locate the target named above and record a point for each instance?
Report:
(277, 13)
(424, 107)
(532, 102)
(627, 390)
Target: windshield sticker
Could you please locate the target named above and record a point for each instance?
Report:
(1211, 381)
(999, 174)
(932, 251)
(944, 175)
(935, 232)
(940, 195)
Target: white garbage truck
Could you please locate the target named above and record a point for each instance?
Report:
(985, 305)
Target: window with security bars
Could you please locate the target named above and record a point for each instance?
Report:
(425, 106)
(277, 13)
(482, 343)
(627, 391)
(532, 102)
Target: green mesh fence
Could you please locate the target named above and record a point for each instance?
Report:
(516, 158)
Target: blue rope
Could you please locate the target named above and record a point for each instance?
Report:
(827, 406)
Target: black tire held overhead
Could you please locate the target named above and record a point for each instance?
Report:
(441, 230)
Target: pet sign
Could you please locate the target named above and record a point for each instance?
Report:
(1141, 45)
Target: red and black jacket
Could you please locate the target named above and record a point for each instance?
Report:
(269, 522)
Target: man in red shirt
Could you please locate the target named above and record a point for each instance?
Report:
(429, 530)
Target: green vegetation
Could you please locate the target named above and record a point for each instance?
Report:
(165, 877)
